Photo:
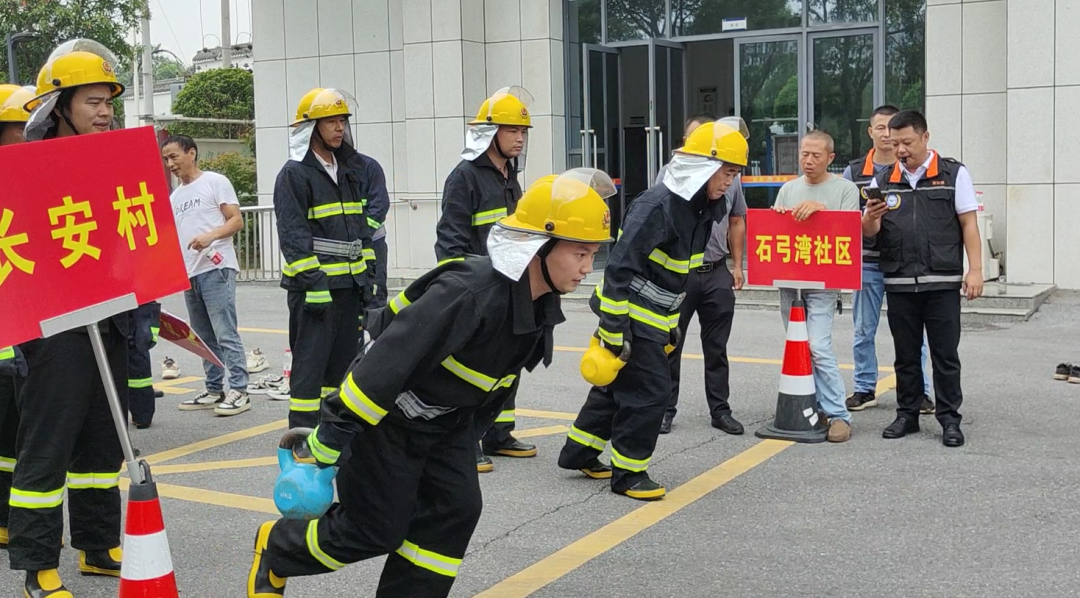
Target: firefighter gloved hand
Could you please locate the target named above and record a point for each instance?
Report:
(12, 363)
(676, 337)
(317, 302)
(601, 364)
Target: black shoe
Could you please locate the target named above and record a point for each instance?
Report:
(511, 448)
(45, 584)
(141, 425)
(726, 423)
(158, 393)
(646, 489)
(951, 436)
(902, 426)
(1074, 374)
(1062, 372)
(665, 426)
(597, 470)
(927, 407)
(101, 562)
(262, 583)
(861, 400)
(484, 463)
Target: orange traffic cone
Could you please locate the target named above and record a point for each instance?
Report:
(796, 404)
(147, 570)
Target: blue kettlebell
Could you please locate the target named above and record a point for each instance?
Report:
(303, 490)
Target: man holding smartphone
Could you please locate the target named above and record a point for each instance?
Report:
(924, 222)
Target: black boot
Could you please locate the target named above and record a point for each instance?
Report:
(665, 426)
(597, 470)
(45, 584)
(511, 448)
(101, 562)
(484, 464)
(644, 489)
(262, 583)
(902, 426)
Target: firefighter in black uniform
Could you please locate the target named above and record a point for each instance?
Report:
(13, 117)
(146, 322)
(482, 189)
(404, 415)
(376, 201)
(924, 217)
(66, 431)
(663, 236)
(326, 241)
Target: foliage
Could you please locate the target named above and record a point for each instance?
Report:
(240, 170)
(165, 67)
(216, 93)
(107, 21)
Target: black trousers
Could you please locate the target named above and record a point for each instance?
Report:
(710, 295)
(323, 345)
(9, 429)
(140, 367)
(66, 435)
(380, 271)
(628, 412)
(495, 421)
(407, 490)
(938, 312)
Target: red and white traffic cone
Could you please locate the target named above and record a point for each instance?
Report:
(147, 570)
(796, 404)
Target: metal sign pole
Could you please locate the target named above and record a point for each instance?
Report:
(119, 419)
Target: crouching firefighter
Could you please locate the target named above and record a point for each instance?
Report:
(403, 417)
(66, 433)
(663, 236)
(326, 241)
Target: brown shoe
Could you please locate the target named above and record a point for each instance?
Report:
(839, 431)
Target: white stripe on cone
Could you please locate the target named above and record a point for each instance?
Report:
(796, 331)
(146, 557)
(798, 386)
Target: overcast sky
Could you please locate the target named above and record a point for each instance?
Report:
(180, 26)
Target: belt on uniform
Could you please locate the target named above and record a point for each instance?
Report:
(658, 296)
(709, 266)
(347, 249)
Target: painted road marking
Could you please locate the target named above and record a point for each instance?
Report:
(209, 443)
(211, 497)
(611, 535)
(172, 387)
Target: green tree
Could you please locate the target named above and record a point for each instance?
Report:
(240, 170)
(165, 67)
(216, 93)
(55, 21)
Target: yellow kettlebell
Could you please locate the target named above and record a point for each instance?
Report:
(599, 366)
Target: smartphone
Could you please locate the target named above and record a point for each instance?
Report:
(872, 193)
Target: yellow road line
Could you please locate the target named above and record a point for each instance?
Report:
(611, 535)
(546, 414)
(545, 431)
(212, 497)
(885, 384)
(172, 387)
(215, 465)
(209, 443)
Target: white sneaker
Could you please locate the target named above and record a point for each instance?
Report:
(267, 383)
(256, 361)
(235, 402)
(170, 370)
(203, 400)
(280, 394)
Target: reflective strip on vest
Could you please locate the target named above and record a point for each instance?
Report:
(611, 338)
(506, 417)
(369, 254)
(697, 260)
(7, 464)
(353, 207)
(357, 267)
(615, 308)
(399, 303)
(584, 438)
(88, 481)
(635, 465)
(141, 382)
(645, 316)
(359, 403)
(306, 405)
(154, 332)
(7, 353)
(450, 259)
(26, 499)
(308, 263)
(325, 210)
(313, 547)
(373, 223)
(426, 559)
(488, 217)
(318, 297)
(320, 451)
(482, 381)
(940, 278)
(326, 390)
(338, 269)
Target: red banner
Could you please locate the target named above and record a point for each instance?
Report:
(825, 248)
(180, 333)
(83, 220)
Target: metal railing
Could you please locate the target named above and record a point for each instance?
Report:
(257, 245)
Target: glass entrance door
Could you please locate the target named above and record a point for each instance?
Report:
(768, 84)
(844, 88)
(667, 104)
(600, 122)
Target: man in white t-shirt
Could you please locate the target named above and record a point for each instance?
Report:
(207, 214)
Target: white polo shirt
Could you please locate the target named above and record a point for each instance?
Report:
(964, 197)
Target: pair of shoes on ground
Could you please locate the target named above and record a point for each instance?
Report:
(512, 448)
(232, 403)
(643, 489)
(256, 362)
(1067, 372)
(904, 424)
(724, 422)
(274, 386)
(862, 400)
(47, 583)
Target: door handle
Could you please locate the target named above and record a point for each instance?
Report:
(595, 160)
(660, 151)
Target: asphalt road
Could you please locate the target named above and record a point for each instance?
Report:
(867, 518)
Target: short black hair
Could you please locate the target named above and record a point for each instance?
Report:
(884, 110)
(700, 118)
(908, 118)
(186, 144)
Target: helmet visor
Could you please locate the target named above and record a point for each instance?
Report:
(82, 45)
(576, 183)
(516, 91)
(737, 123)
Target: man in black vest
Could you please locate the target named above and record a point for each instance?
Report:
(924, 216)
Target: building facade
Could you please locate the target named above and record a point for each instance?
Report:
(613, 81)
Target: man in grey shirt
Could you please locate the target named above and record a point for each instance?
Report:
(709, 293)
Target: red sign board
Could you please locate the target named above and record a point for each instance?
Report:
(825, 248)
(180, 333)
(83, 220)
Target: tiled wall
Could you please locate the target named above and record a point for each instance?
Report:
(1002, 79)
(419, 69)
